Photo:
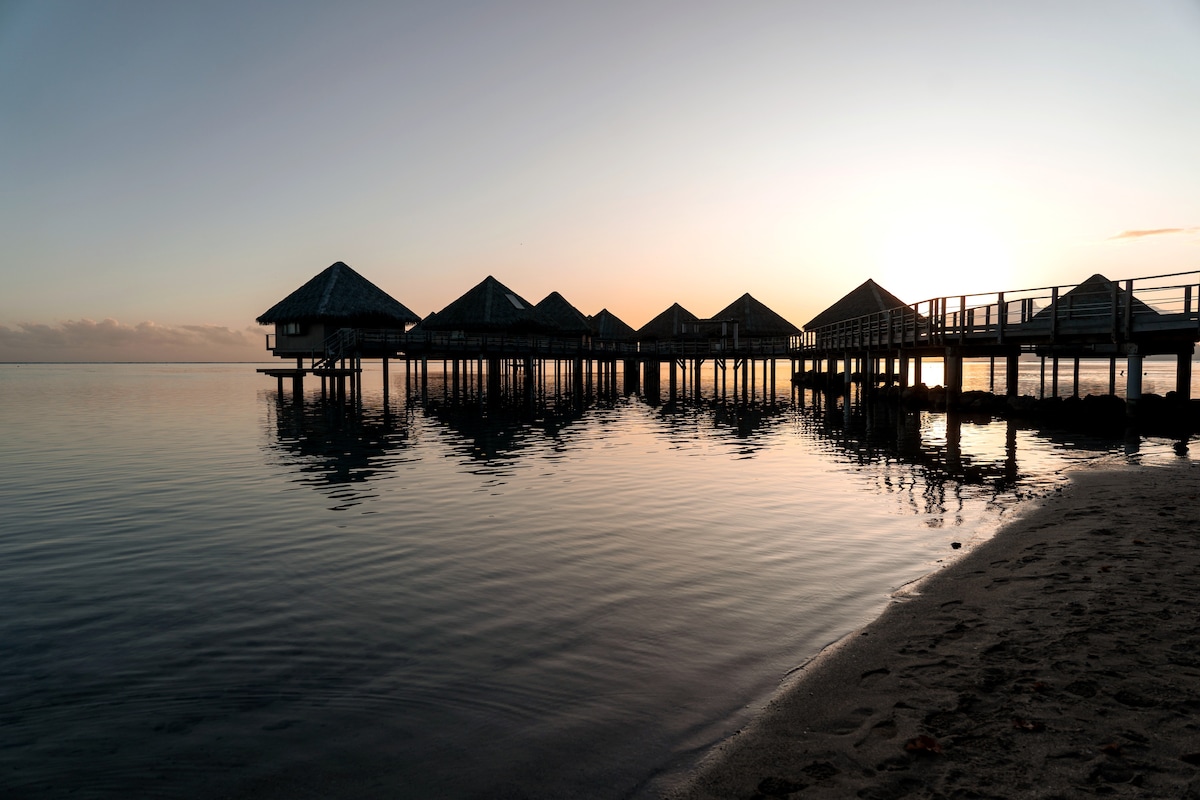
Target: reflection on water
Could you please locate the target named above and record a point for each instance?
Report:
(217, 591)
(334, 447)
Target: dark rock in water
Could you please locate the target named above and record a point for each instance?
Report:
(1020, 405)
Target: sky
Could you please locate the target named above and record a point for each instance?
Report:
(168, 171)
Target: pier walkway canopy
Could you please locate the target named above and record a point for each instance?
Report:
(337, 299)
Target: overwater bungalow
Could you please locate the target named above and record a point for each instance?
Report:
(669, 330)
(747, 324)
(610, 332)
(488, 308)
(336, 299)
(868, 298)
(564, 319)
(1097, 300)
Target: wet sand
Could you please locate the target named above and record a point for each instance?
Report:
(1059, 659)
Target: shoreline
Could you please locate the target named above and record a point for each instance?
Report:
(1059, 658)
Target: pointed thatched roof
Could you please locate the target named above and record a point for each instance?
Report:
(339, 293)
(563, 317)
(489, 306)
(608, 327)
(668, 325)
(423, 325)
(869, 298)
(755, 319)
(1093, 298)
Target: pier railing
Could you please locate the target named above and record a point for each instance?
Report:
(1095, 310)
(584, 347)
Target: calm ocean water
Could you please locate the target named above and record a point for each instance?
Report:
(214, 591)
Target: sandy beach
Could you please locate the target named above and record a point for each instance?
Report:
(1059, 659)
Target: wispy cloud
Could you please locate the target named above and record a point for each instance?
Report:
(1139, 234)
(110, 340)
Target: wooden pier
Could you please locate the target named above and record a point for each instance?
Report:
(1126, 320)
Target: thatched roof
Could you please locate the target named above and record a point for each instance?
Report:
(1093, 298)
(869, 298)
(563, 317)
(668, 324)
(423, 325)
(755, 319)
(489, 306)
(608, 327)
(339, 293)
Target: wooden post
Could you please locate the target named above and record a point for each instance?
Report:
(1054, 377)
(1133, 380)
(1001, 317)
(1011, 374)
(1112, 376)
(954, 376)
(1183, 374)
(1054, 321)
(1075, 379)
(1129, 323)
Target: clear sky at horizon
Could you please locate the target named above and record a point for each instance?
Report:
(168, 171)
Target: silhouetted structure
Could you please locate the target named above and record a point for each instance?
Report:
(868, 298)
(493, 337)
(609, 331)
(337, 298)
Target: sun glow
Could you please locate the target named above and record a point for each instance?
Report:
(934, 251)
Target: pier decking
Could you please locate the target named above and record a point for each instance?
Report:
(1099, 318)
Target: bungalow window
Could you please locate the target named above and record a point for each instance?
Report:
(290, 329)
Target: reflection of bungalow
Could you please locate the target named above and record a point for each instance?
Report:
(746, 322)
(610, 332)
(488, 308)
(868, 298)
(337, 298)
(1096, 299)
(674, 324)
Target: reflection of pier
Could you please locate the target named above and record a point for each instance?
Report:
(335, 448)
(873, 431)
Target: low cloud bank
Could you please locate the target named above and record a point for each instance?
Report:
(110, 340)
(1139, 234)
